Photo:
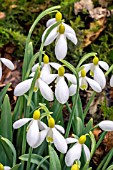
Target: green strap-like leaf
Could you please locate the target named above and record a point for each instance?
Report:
(6, 119)
(54, 160)
(15, 167)
(35, 159)
(10, 145)
(3, 93)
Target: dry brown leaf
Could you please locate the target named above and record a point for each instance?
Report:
(99, 12)
(91, 34)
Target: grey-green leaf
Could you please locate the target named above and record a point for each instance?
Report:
(36, 159)
(54, 159)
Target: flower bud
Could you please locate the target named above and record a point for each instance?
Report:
(36, 114)
(95, 61)
(82, 139)
(61, 71)
(1, 167)
(46, 59)
(51, 122)
(75, 167)
(58, 16)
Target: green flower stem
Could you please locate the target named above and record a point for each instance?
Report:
(89, 103)
(25, 63)
(85, 57)
(58, 115)
(108, 160)
(109, 70)
(68, 107)
(29, 159)
(105, 160)
(73, 109)
(101, 139)
(41, 162)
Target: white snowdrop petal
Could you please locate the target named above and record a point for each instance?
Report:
(55, 65)
(62, 91)
(22, 87)
(19, 123)
(99, 77)
(50, 22)
(42, 125)
(87, 152)
(8, 63)
(104, 65)
(32, 74)
(35, 67)
(73, 154)
(46, 69)
(106, 125)
(87, 67)
(61, 47)
(71, 140)
(59, 141)
(0, 70)
(71, 78)
(42, 136)
(111, 81)
(48, 78)
(94, 85)
(72, 37)
(45, 90)
(60, 128)
(7, 168)
(33, 134)
(51, 37)
(72, 90)
(68, 29)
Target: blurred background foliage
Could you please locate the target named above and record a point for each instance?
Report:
(19, 16)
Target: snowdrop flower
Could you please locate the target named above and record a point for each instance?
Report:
(8, 63)
(46, 65)
(34, 136)
(74, 153)
(106, 125)
(4, 167)
(62, 91)
(53, 135)
(45, 90)
(60, 33)
(111, 81)
(84, 80)
(96, 72)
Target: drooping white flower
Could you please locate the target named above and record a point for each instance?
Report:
(84, 80)
(111, 81)
(62, 91)
(74, 153)
(106, 125)
(96, 72)
(4, 167)
(60, 33)
(34, 136)
(6, 62)
(53, 135)
(46, 65)
(45, 90)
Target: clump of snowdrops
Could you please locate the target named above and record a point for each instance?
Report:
(35, 135)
